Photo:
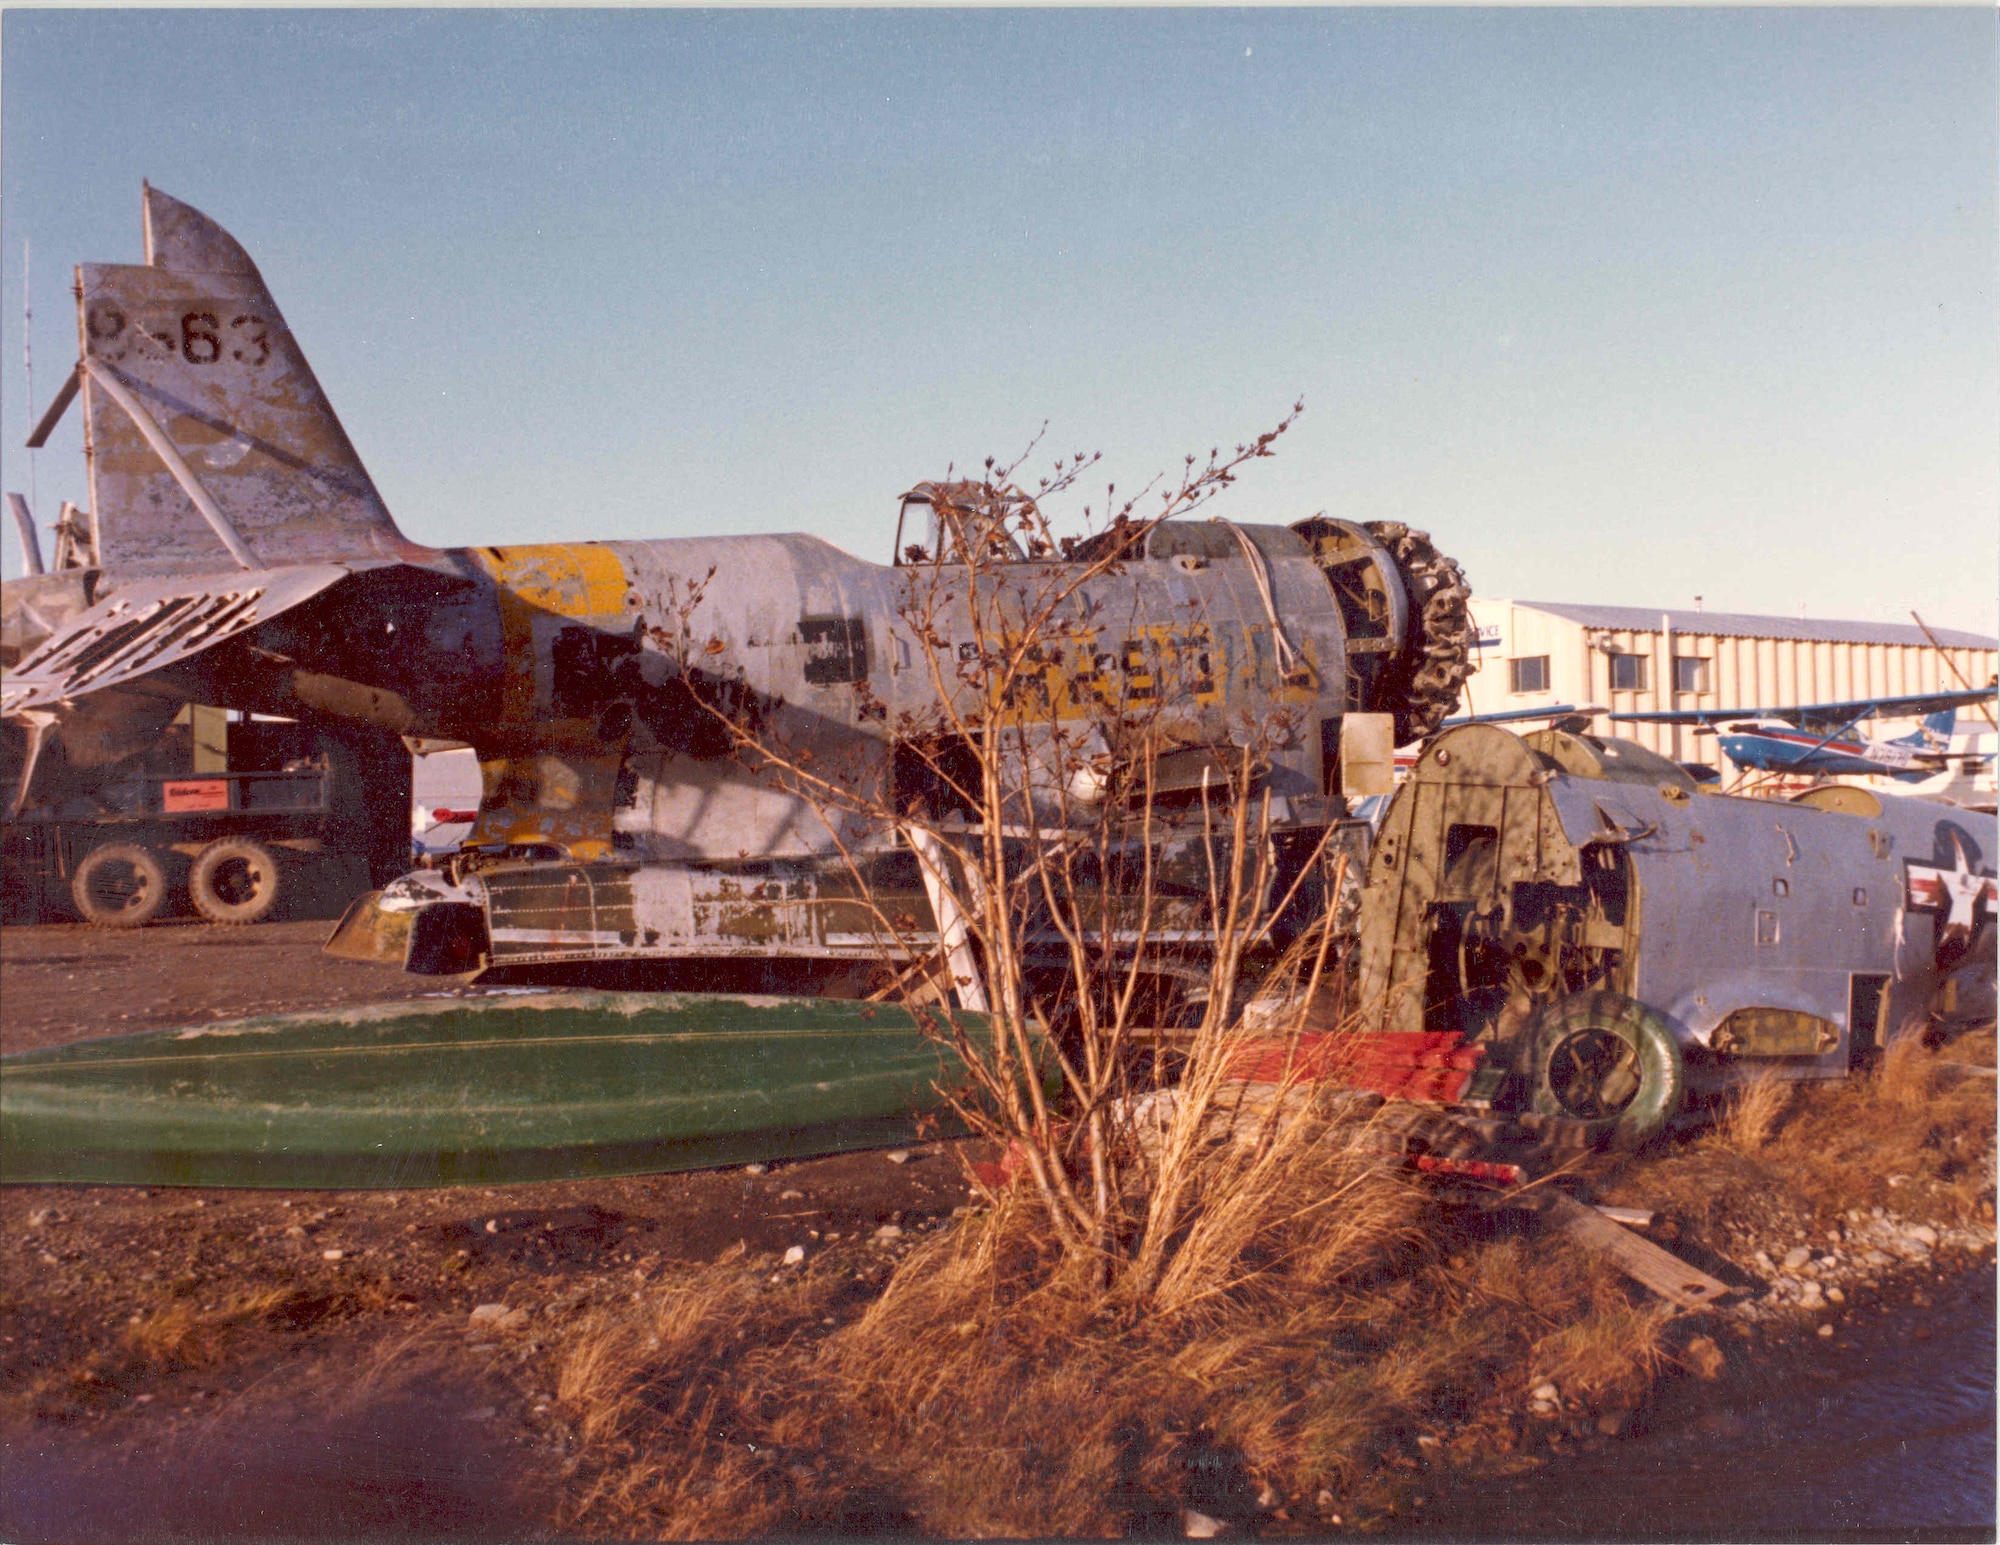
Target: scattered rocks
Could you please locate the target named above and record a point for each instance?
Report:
(1874, 1239)
(332, 1255)
(898, 1156)
(1199, 1526)
(1826, 1330)
(795, 1255)
(1545, 1391)
(791, 1196)
(887, 1232)
(498, 1317)
(755, 1169)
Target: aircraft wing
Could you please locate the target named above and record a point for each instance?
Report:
(1559, 711)
(147, 625)
(1818, 715)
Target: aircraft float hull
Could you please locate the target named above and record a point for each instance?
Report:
(555, 1086)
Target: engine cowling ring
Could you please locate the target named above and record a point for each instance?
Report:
(1403, 606)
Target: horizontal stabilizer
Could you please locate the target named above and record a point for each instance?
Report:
(149, 625)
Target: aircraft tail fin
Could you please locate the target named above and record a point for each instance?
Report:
(1935, 730)
(212, 445)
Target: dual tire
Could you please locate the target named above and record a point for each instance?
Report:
(119, 885)
(235, 880)
(126, 885)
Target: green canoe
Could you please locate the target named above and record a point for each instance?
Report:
(554, 1086)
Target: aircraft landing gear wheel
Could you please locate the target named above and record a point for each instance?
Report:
(235, 880)
(119, 885)
(1607, 1062)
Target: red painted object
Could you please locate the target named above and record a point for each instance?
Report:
(1471, 1169)
(1426, 1065)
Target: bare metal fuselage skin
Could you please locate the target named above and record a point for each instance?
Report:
(1794, 936)
(561, 663)
(238, 554)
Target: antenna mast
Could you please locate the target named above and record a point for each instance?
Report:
(28, 360)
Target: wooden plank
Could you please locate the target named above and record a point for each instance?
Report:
(1640, 1259)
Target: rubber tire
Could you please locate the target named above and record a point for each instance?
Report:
(220, 872)
(118, 870)
(1662, 1071)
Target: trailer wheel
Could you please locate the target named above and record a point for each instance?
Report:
(119, 885)
(1608, 1062)
(235, 880)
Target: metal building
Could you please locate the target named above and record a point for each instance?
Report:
(1634, 659)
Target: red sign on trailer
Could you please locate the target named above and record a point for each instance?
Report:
(187, 795)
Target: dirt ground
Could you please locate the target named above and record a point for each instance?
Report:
(211, 1364)
(70, 983)
(187, 1363)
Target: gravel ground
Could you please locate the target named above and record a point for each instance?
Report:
(363, 1399)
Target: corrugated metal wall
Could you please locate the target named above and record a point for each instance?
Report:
(1741, 672)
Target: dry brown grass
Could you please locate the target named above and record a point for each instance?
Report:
(999, 1385)
(1751, 1117)
(178, 1334)
(1909, 1120)
(172, 1337)
(1839, 1145)
(1314, 1314)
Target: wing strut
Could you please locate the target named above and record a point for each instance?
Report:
(65, 395)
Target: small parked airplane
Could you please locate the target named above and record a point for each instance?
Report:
(1820, 738)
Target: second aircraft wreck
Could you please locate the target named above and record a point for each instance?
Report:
(240, 555)
(1576, 930)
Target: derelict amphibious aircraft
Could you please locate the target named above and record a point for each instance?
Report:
(1819, 738)
(241, 556)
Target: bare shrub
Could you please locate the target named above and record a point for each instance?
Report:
(1073, 898)
(1185, 1268)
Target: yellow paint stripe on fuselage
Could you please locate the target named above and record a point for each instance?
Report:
(566, 580)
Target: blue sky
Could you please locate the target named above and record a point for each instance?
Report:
(1623, 306)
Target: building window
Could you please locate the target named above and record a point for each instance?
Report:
(1628, 673)
(1530, 673)
(1690, 674)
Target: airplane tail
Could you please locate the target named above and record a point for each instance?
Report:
(212, 446)
(1934, 731)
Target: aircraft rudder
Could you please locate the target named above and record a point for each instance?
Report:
(213, 445)
(1938, 726)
